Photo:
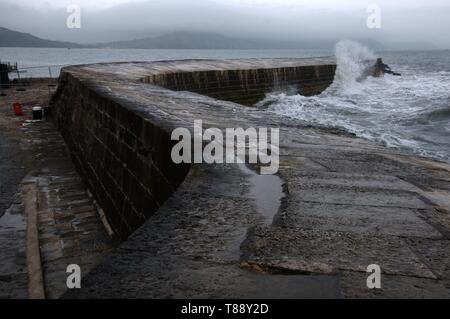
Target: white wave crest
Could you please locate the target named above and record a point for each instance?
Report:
(351, 60)
(391, 110)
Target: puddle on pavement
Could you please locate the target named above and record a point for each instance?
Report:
(267, 190)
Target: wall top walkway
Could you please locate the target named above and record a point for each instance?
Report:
(137, 70)
(347, 203)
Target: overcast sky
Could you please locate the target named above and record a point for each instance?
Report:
(405, 21)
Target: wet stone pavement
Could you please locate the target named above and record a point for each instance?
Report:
(13, 266)
(15, 161)
(348, 203)
(70, 229)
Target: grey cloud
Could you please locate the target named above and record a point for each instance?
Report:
(420, 23)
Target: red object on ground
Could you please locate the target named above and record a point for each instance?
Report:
(17, 108)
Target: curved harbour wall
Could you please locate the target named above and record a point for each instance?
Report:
(248, 86)
(347, 201)
(123, 156)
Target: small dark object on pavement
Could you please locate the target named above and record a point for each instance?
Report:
(37, 113)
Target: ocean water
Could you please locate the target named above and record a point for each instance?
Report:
(35, 62)
(410, 112)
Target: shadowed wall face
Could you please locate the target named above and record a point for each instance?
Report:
(248, 87)
(123, 158)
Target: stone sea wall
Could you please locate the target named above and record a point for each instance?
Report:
(248, 86)
(123, 158)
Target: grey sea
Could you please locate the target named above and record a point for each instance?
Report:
(411, 112)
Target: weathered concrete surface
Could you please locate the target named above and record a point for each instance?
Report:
(13, 266)
(70, 231)
(16, 159)
(348, 203)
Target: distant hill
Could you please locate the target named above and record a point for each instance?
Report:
(198, 40)
(177, 40)
(205, 40)
(10, 38)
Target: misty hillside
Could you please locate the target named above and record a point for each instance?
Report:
(176, 40)
(205, 40)
(199, 40)
(10, 38)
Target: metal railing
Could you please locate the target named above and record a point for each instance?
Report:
(50, 71)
